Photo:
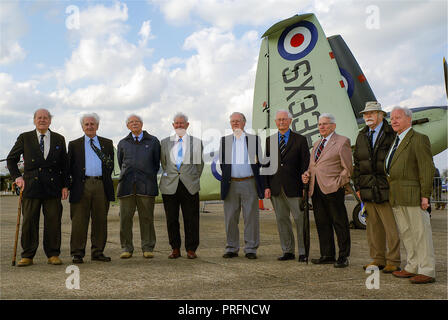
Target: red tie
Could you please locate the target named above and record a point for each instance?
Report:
(319, 150)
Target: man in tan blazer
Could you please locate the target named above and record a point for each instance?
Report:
(410, 171)
(182, 164)
(328, 173)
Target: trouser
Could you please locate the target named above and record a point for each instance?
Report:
(189, 203)
(330, 213)
(382, 228)
(242, 196)
(52, 211)
(145, 208)
(414, 226)
(94, 205)
(283, 206)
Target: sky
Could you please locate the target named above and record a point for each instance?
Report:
(155, 58)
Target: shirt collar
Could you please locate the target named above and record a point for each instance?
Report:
(378, 127)
(87, 139)
(328, 137)
(403, 134)
(243, 135)
(184, 138)
(286, 134)
(140, 136)
(46, 134)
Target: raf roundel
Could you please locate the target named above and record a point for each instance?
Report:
(348, 82)
(216, 170)
(297, 40)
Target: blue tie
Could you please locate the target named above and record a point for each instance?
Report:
(179, 155)
(41, 144)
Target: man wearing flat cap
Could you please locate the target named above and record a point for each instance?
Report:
(370, 180)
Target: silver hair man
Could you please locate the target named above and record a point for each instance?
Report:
(285, 111)
(90, 115)
(133, 115)
(180, 115)
(329, 116)
(406, 110)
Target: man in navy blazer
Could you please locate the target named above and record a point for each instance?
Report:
(241, 186)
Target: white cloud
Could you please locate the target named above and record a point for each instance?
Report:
(13, 27)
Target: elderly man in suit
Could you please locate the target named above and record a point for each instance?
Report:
(44, 183)
(329, 171)
(370, 181)
(241, 186)
(410, 171)
(91, 161)
(284, 187)
(138, 156)
(182, 163)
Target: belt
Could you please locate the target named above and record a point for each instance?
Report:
(96, 177)
(242, 179)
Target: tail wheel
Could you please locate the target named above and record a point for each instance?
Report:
(360, 216)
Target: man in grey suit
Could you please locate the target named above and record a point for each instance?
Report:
(182, 164)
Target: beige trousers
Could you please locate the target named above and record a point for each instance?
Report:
(415, 231)
(382, 229)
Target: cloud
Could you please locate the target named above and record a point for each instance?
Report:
(13, 27)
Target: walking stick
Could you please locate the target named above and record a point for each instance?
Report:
(19, 213)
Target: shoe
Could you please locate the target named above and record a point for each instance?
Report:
(148, 255)
(77, 259)
(391, 268)
(24, 262)
(228, 255)
(324, 260)
(125, 255)
(175, 254)
(303, 258)
(54, 260)
(191, 254)
(341, 263)
(421, 279)
(101, 257)
(251, 256)
(380, 266)
(287, 256)
(403, 274)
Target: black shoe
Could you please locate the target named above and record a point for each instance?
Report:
(341, 263)
(303, 258)
(323, 260)
(251, 256)
(101, 257)
(228, 255)
(77, 259)
(287, 256)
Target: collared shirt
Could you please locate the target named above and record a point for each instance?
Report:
(93, 163)
(377, 131)
(286, 136)
(240, 160)
(401, 137)
(327, 138)
(46, 142)
(140, 136)
(177, 144)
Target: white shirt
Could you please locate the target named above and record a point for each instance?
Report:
(177, 144)
(326, 141)
(46, 142)
(401, 137)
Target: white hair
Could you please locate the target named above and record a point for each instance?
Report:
(329, 116)
(238, 113)
(133, 115)
(180, 115)
(406, 110)
(48, 112)
(90, 115)
(283, 110)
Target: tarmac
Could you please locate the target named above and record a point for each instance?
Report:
(210, 277)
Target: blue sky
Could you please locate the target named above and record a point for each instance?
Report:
(157, 57)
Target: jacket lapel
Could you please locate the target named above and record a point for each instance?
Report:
(402, 146)
(330, 144)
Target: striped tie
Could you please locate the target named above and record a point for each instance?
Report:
(392, 154)
(179, 155)
(41, 144)
(282, 145)
(319, 150)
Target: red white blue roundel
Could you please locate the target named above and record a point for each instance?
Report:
(348, 82)
(297, 40)
(216, 169)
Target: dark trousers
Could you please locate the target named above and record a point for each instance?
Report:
(94, 205)
(190, 210)
(330, 213)
(52, 211)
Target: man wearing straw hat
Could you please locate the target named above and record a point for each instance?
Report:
(44, 183)
(370, 180)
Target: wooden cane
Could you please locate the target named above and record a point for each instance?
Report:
(19, 213)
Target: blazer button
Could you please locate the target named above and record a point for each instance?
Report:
(40, 169)
(32, 160)
(51, 179)
(35, 178)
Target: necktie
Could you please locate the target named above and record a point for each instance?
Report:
(372, 132)
(282, 145)
(104, 159)
(41, 143)
(179, 155)
(392, 154)
(136, 140)
(319, 150)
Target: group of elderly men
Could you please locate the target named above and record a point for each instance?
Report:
(392, 174)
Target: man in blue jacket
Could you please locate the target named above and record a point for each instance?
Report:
(139, 160)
